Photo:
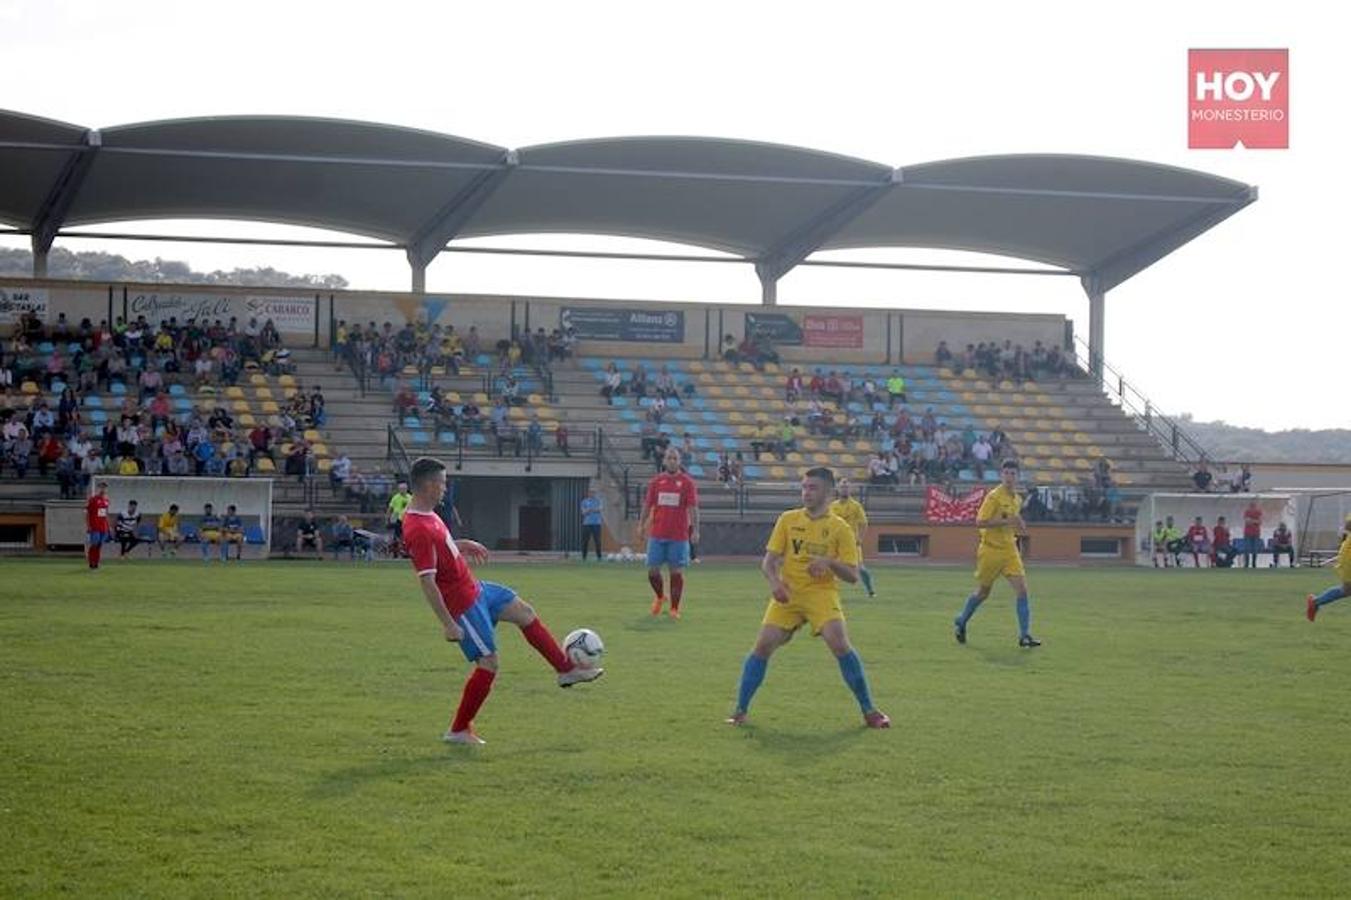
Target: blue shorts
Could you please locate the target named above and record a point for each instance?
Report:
(675, 554)
(479, 621)
(99, 538)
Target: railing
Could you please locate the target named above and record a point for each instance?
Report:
(1165, 429)
(580, 447)
(395, 452)
(358, 367)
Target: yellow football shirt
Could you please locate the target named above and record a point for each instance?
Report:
(797, 537)
(999, 502)
(853, 513)
(168, 522)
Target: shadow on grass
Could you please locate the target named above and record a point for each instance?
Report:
(345, 781)
(800, 745)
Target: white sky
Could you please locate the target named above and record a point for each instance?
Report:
(1245, 324)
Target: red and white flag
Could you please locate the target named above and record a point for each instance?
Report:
(939, 506)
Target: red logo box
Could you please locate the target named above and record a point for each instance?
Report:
(1238, 97)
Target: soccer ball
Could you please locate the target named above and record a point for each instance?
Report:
(584, 647)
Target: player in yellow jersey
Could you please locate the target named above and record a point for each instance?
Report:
(1342, 564)
(999, 517)
(849, 509)
(809, 549)
(166, 529)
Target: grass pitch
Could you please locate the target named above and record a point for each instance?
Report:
(177, 729)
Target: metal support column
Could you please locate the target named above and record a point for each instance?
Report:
(1096, 324)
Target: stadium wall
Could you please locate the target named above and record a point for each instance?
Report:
(306, 318)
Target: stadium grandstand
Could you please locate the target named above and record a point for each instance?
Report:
(533, 401)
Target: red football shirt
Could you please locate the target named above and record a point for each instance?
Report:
(432, 551)
(671, 497)
(96, 514)
(1252, 522)
(1197, 534)
(1221, 536)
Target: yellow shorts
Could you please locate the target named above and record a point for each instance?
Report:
(991, 564)
(169, 536)
(816, 611)
(234, 537)
(211, 537)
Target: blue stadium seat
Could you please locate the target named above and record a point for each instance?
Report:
(177, 390)
(145, 532)
(446, 437)
(253, 534)
(711, 456)
(98, 416)
(93, 401)
(593, 362)
(189, 534)
(721, 429)
(629, 415)
(729, 443)
(46, 348)
(477, 440)
(183, 404)
(636, 427)
(696, 470)
(483, 359)
(118, 389)
(753, 471)
(966, 475)
(419, 437)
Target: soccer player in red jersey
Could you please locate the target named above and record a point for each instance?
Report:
(468, 609)
(97, 524)
(670, 522)
(1199, 540)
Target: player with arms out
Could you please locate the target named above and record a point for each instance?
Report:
(853, 513)
(670, 522)
(1000, 514)
(468, 609)
(97, 526)
(809, 549)
(1341, 563)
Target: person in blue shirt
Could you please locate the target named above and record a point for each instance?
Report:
(232, 532)
(209, 528)
(592, 519)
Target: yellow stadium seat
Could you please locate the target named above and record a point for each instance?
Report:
(1031, 462)
(1057, 463)
(1007, 385)
(29, 387)
(846, 459)
(480, 398)
(822, 458)
(289, 392)
(747, 368)
(746, 430)
(795, 457)
(286, 448)
(945, 372)
(714, 390)
(288, 381)
(265, 465)
(1069, 478)
(772, 368)
(725, 403)
(535, 399)
(1081, 438)
(234, 392)
(438, 370)
(696, 366)
(247, 420)
(516, 412)
(241, 406)
(1082, 463)
(257, 379)
(453, 396)
(835, 444)
(969, 373)
(1123, 478)
(313, 435)
(325, 465)
(410, 371)
(319, 448)
(735, 417)
(769, 393)
(270, 406)
(778, 472)
(741, 391)
(263, 393)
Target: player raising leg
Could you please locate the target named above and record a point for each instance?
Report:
(1341, 563)
(808, 550)
(1000, 513)
(467, 608)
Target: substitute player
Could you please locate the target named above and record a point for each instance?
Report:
(97, 526)
(1342, 564)
(853, 513)
(231, 532)
(1000, 514)
(166, 530)
(670, 522)
(468, 609)
(808, 550)
(209, 530)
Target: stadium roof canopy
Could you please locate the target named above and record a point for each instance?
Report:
(1100, 219)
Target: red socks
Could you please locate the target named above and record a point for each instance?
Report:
(475, 692)
(543, 641)
(654, 579)
(94, 553)
(677, 588)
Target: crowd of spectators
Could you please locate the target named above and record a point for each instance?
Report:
(1007, 360)
(385, 352)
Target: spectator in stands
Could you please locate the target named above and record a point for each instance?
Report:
(561, 439)
(896, 389)
(943, 356)
(666, 385)
(318, 406)
(405, 403)
(928, 424)
(730, 353)
(999, 441)
(308, 536)
(614, 384)
(260, 444)
(21, 453)
(1102, 473)
(471, 416)
(339, 472)
(177, 464)
(1202, 477)
(638, 381)
(508, 434)
(737, 470)
(68, 413)
(48, 452)
(766, 441)
(793, 387)
(1282, 544)
(44, 421)
(56, 369)
(534, 436)
(878, 473)
(834, 388)
(344, 538)
(981, 454)
(511, 391)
